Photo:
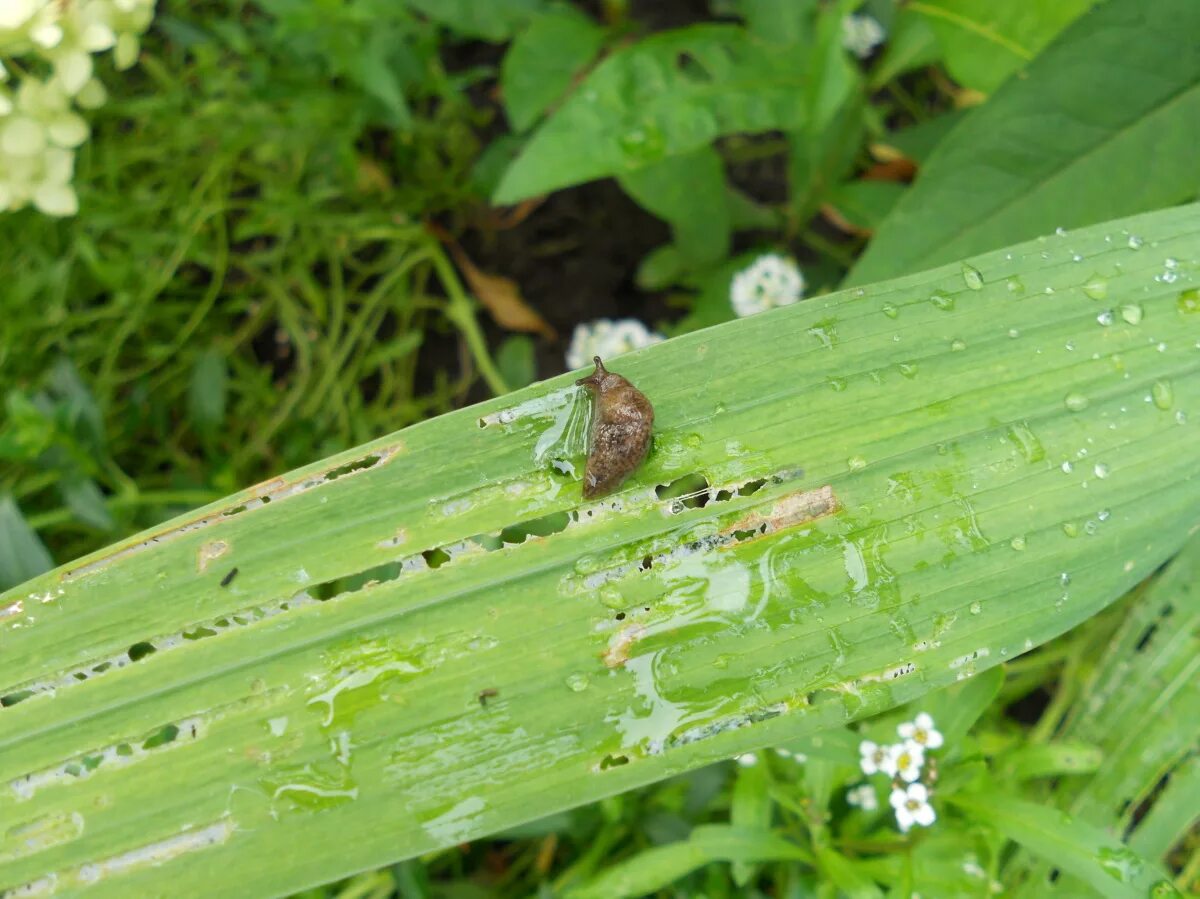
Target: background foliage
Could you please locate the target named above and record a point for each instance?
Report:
(252, 283)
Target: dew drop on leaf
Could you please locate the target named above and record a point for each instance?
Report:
(1076, 402)
(1164, 396)
(1096, 287)
(1132, 313)
(971, 277)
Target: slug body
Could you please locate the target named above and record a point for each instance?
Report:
(621, 426)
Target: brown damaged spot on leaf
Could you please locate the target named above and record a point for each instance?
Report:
(617, 653)
(788, 511)
(210, 551)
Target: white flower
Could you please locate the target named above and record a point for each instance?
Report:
(904, 760)
(771, 280)
(606, 338)
(863, 797)
(861, 35)
(874, 756)
(912, 806)
(921, 731)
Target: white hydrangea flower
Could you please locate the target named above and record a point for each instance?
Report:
(771, 280)
(874, 756)
(911, 805)
(861, 34)
(863, 797)
(606, 338)
(904, 760)
(38, 124)
(921, 731)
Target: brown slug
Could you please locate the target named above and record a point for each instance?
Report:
(621, 425)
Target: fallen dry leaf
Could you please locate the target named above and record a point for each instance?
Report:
(500, 296)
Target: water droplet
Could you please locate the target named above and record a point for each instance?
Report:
(693, 440)
(677, 507)
(1189, 301)
(1101, 470)
(1067, 467)
(1064, 579)
(1135, 242)
(1017, 543)
(721, 661)
(976, 607)
(942, 300)
(971, 277)
(611, 597)
(837, 384)
(1164, 396)
(1027, 443)
(855, 463)
(1122, 864)
(1076, 257)
(1014, 333)
(1090, 527)
(1096, 287)
(1069, 346)
(1014, 285)
(1180, 417)
(1070, 528)
(577, 682)
(1132, 313)
(908, 369)
(1103, 514)
(1076, 402)
(1060, 231)
(643, 144)
(1106, 317)
(890, 310)
(957, 345)
(1171, 263)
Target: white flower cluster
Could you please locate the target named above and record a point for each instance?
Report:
(771, 280)
(606, 338)
(39, 128)
(861, 34)
(902, 762)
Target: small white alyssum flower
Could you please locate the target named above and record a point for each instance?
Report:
(904, 760)
(912, 806)
(771, 280)
(921, 731)
(863, 797)
(874, 757)
(606, 338)
(861, 34)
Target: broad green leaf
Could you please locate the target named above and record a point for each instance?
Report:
(377, 656)
(865, 204)
(1053, 759)
(985, 41)
(85, 499)
(22, 553)
(1087, 852)
(917, 142)
(1105, 124)
(689, 192)
(750, 809)
(208, 391)
(494, 20)
(655, 868)
(515, 359)
(543, 60)
(778, 21)
(910, 45)
(664, 96)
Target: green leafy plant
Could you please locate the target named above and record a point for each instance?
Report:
(383, 654)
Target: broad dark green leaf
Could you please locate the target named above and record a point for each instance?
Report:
(985, 41)
(689, 192)
(543, 60)
(515, 359)
(22, 553)
(666, 95)
(493, 20)
(1105, 124)
(1071, 844)
(207, 392)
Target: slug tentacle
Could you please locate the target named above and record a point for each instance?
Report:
(621, 430)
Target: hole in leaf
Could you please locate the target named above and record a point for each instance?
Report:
(139, 651)
(162, 738)
(613, 761)
(690, 491)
